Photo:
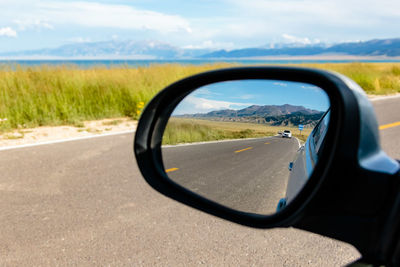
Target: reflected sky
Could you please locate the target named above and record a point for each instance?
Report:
(241, 94)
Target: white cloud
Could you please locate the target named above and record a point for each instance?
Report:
(301, 40)
(228, 24)
(321, 21)
(204, 91)
(342, 12)
(316, 90)
(8, 32)
(208, 104)
(80, 40)
(245, 97)
(33, 24)
(280, 84)
(91, 14)
(192, 105)
(211, 45)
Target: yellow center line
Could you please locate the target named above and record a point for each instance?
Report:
(171, 169)
(267, 143)
(394, 124)
(237, 151)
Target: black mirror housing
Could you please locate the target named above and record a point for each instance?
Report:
(346, 196)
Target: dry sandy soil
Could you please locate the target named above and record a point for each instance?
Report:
(46, 134)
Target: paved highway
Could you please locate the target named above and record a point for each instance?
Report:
(249, 175)
(388, 114)
(85, 203)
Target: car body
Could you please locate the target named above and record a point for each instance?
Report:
(287, 134)
(304, 162)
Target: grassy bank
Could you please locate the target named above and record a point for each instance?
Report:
(36, 96)
(374, 78)
(45, 95)
(180, 131)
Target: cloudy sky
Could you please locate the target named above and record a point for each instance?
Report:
(229, 24)
(241, 94)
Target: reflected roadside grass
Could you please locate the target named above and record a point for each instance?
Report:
(189, 130)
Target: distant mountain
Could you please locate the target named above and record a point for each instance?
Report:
(113, 49)
(283, 115)
(261, 111)
(377, 47)
(294, 119)
(161, 50)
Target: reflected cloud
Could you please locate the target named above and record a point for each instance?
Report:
(204, 91)
(281, 84)
(312, 88)
(245, 97)
(192, 105)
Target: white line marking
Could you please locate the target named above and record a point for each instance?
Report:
(218, 141)
(298, 141)
(64, 140)
(384, 97)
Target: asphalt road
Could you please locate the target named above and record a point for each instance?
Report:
(85, 203)
(249, 175)
(388, 115)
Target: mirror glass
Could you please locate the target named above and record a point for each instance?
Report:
(250, 145)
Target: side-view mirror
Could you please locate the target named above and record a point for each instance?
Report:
(220, 141)
(270, 147)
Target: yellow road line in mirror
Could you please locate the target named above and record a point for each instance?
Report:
(237, 151)
(171, 169)
(267, 143)
(394, 124)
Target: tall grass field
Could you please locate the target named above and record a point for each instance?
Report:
(185, 130)
(59, 95)
(46, 95)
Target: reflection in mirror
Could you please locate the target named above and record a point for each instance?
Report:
(250, 145)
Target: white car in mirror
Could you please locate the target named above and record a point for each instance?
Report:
(287, 133)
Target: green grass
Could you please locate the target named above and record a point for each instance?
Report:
(67, 95)
(179, 131)
(374, 78)
(36, 96)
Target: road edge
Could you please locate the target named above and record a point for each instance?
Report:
(216, 141)
(65, 140)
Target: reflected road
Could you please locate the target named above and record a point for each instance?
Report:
(249, 175)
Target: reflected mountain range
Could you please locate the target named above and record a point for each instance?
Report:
(274, 115)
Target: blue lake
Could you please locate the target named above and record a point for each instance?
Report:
(139, 63)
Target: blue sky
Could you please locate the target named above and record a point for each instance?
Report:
(228, 24)
(241, 94)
